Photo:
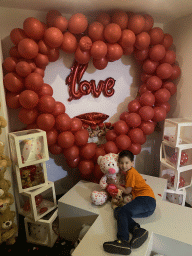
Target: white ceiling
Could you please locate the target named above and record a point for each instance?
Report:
(161, 10)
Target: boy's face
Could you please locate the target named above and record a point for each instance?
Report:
(125, 163)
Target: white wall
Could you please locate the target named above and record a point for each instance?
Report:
(180, 29)
(126, 73)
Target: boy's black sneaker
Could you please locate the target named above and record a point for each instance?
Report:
(140, 235)
(117, 247)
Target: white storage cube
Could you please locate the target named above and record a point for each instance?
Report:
(178, 131)
(45, 231)
(30, 177)
(28, 147)
(176, 197)
(178, 157)
(37, 203)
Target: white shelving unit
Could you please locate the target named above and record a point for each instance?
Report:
(176, 158)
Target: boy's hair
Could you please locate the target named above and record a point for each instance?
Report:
(126, 153)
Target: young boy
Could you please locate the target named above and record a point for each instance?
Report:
(142, 205)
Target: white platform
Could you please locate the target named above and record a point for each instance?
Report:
(75, 208)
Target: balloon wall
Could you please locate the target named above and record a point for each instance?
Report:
(105, 40)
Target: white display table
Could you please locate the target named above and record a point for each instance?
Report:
(169, 221)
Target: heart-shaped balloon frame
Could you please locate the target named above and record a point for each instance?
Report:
(86, 154)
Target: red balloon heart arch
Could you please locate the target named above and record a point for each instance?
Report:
(104, 40)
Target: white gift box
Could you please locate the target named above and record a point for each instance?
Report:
(36, 203)
(28, 147)
(45, 231)
(176, 197)
(178, 131)
(30, 177)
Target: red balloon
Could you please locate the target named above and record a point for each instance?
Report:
(88, 151)
(46, 104)
(13, 52)
(32, 65)
(156, 35)
(120, 18)
(71, 153)
(120, 127)
(86, 168)
(46, 121)
(124, 115)
(66, 139)
(114, 52)
(111, 135)
(170, 57)
(123, 142)
(41, 60)
(147, 127)
(146, 113)
(32, 126)
(98, 50)
(136, 135)
(143, 89)
(167, 40)
(10, 64)
(52, 136)
(45, 89)
(101, 63)
(144, 76)
(141, 55)
(157, 52)
(23, 68)
(40, 71)
(28, 48)
(112, 33)
(85, 43)
(159, 114)
(104, 18)
(33, 28)
(110, 147)
(164, 71)
(162, 95)
(96, 31)
(63, 122)
(81, 137)
(176, 72)
(77, 23)
(43, 47)
(59, 109)
(34, 81)
(53, 37)
(53, 54)
(51, 15)
(154, 83)
(82, 57)
(55, 149)
(133, 120)
(12, 100)
(13, 82)
(128, 50)
(127, 38)
(76, 124)
(136, 23)
(148, 22)
(164, 105)
(171, 87)
(73, 163)
(150, 66)
(16, 35)
(61, 23)
(142, 41)
(98, 174)
(135, 148)
(134, 106)
(99, 152)
(28, 99)
(28, 116)
(147, 99)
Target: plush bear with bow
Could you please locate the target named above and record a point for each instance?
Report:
(109, 166)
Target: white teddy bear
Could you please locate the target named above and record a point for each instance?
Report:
(109, 166)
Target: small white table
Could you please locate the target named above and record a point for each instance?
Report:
(75, 208)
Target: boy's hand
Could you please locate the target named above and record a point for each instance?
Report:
(111, 181)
